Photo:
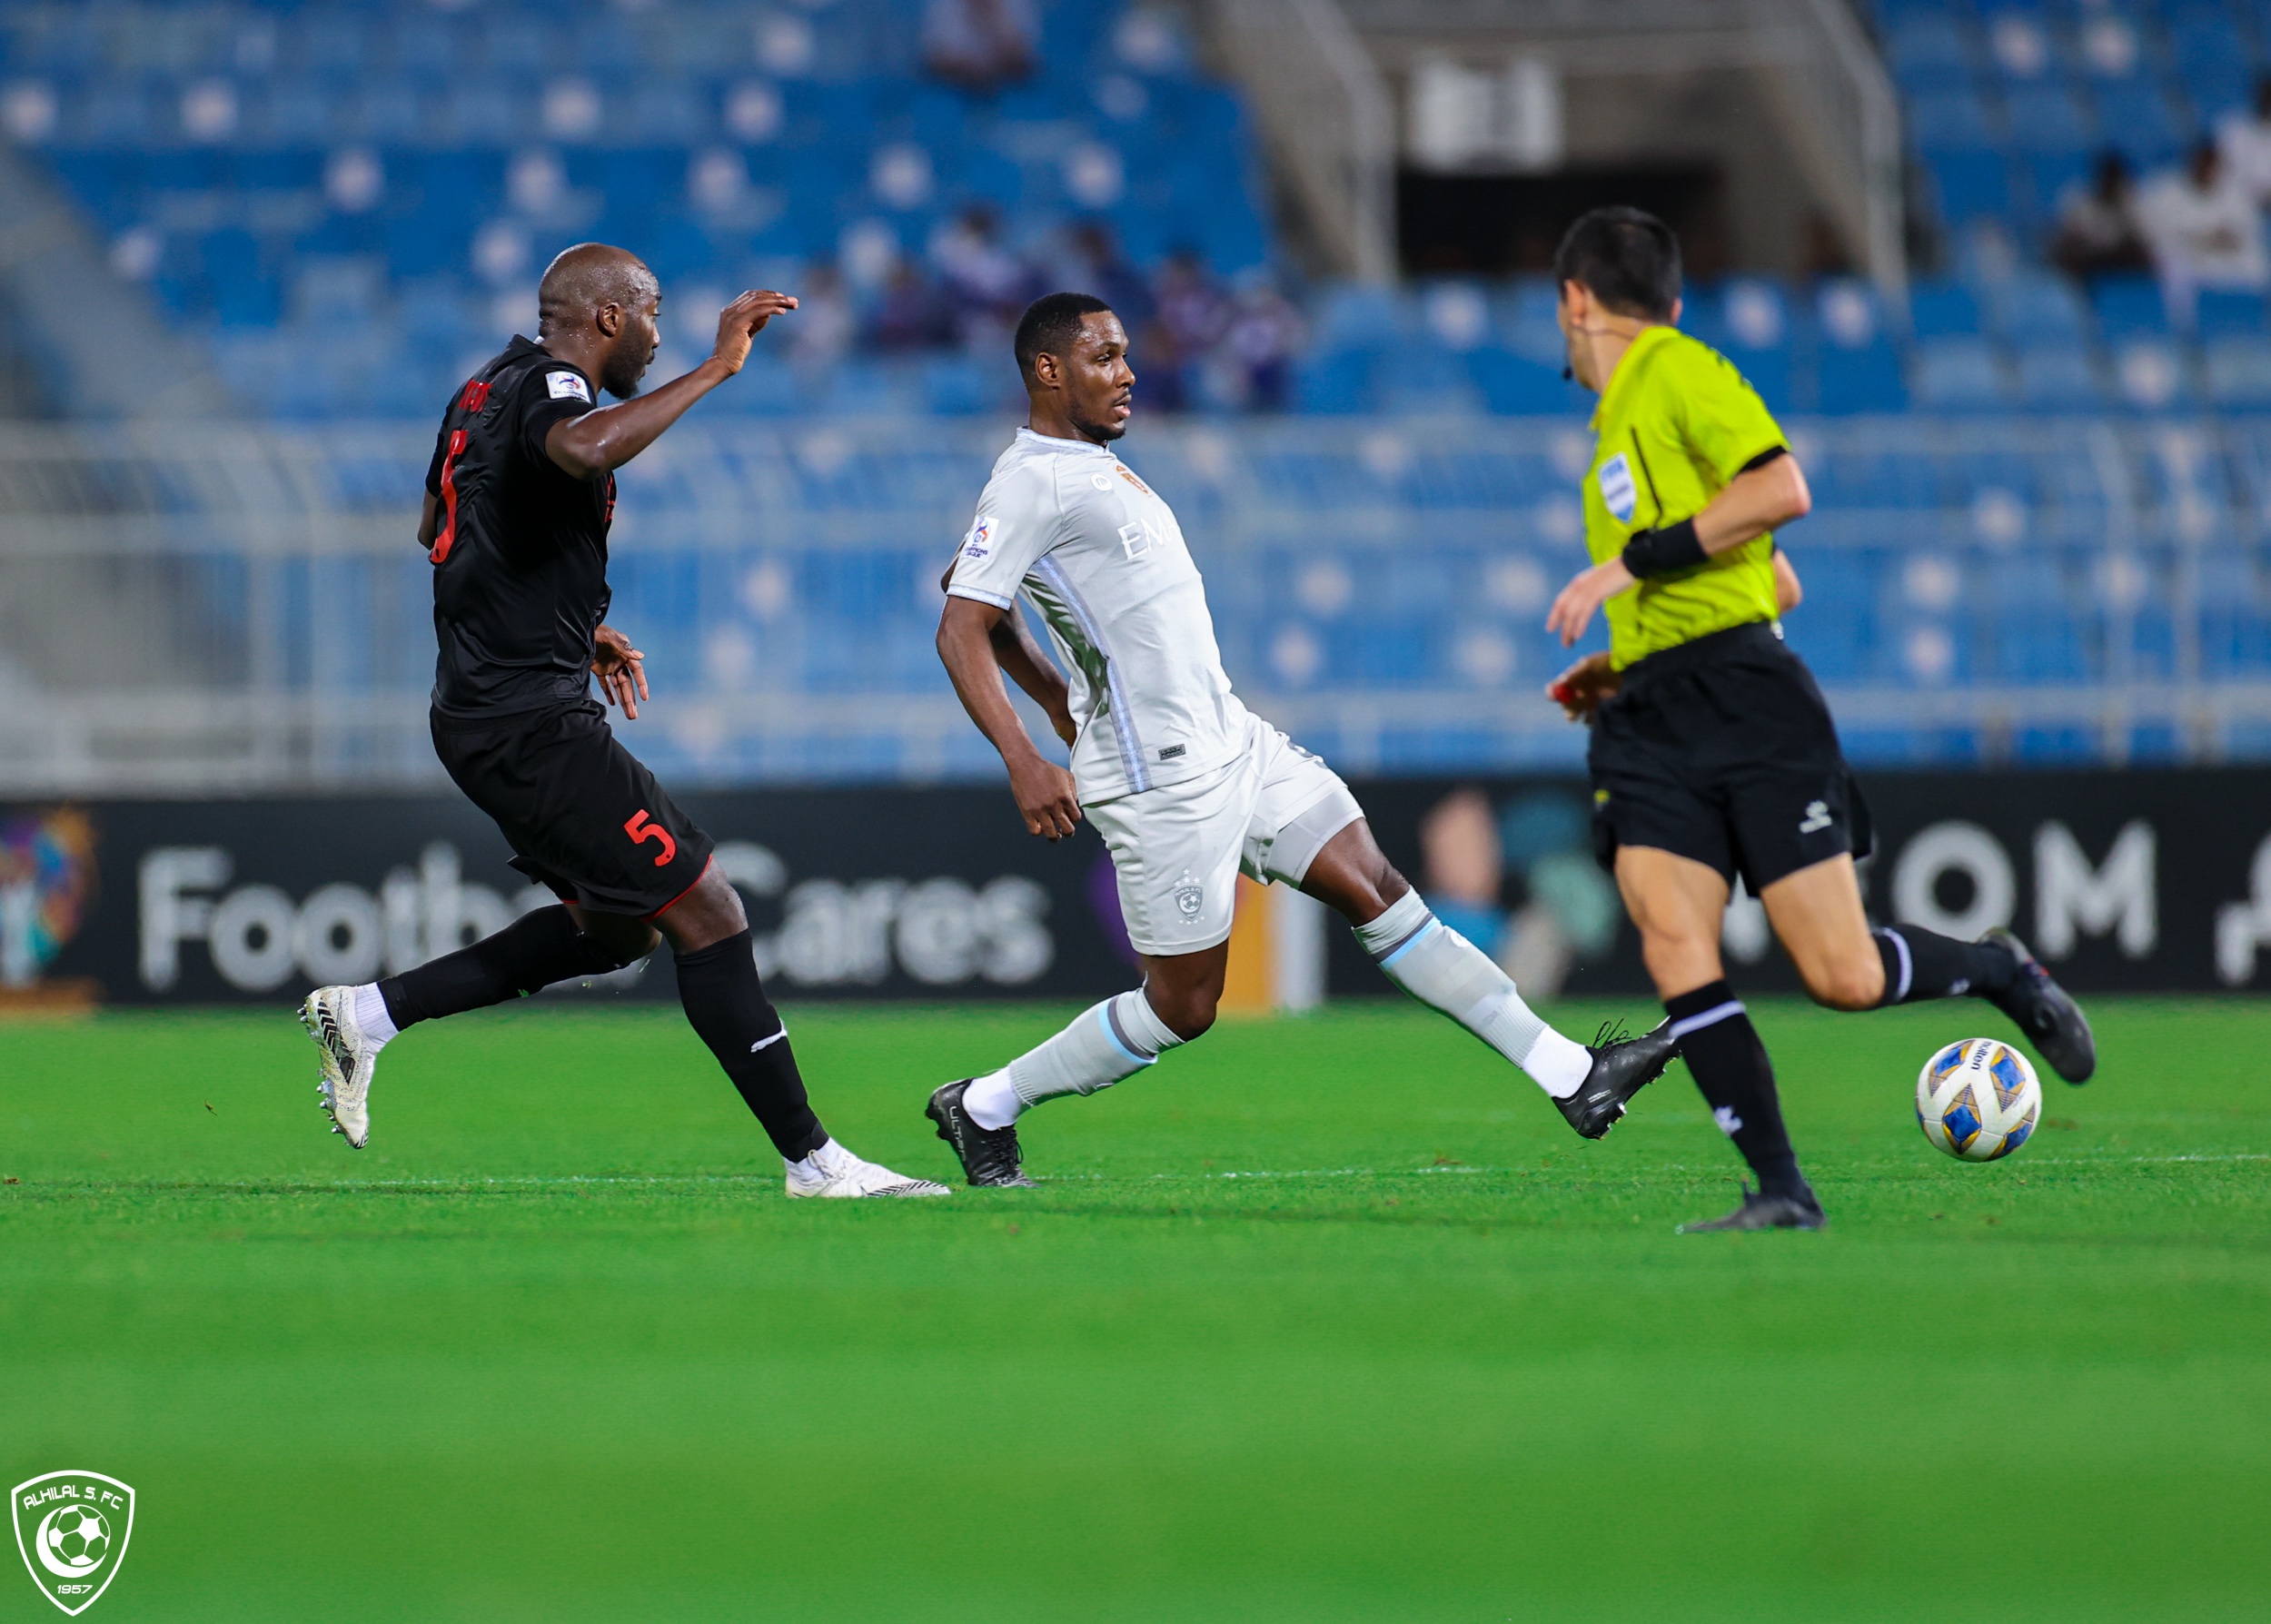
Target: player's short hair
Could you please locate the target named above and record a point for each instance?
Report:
(1051, 322)
(1626, 258)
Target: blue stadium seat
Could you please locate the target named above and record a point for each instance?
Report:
(1951, 119)
(2049, 177)
(1970, 184)
(2128, 307)
(2136, 120)
(2212, 58)
(2236, 371)
(1928, 52)
(1515, 385)
(2219, 314)
(1960, 374)
(2034, 308)
(1943, 310)
(2045, 118)
(2058, 377)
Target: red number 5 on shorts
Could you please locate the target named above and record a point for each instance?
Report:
(640, 831)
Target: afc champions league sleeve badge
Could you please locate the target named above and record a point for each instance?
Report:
(1619, 494)
(72, 1529)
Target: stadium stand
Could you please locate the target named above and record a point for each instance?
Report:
(2040, 530)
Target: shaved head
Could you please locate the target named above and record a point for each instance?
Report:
(604, 299)
(588, 277)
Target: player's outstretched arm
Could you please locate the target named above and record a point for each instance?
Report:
(1758, 499)
(598, 442)
(1044, 790)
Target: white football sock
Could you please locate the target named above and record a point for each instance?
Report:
(1446, 972)
(370, 1014)
(1116, 1039)
(809, 1165)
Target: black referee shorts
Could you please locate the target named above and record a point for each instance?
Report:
(1723, 750)
(583, 815)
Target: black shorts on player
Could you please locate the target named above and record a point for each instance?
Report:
(583, 814)
(519, 500)
(1721, 750)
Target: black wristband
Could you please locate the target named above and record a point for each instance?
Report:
(1651, 553)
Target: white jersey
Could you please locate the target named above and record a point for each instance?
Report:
(1103, 561)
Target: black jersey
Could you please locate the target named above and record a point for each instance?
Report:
(520, 550)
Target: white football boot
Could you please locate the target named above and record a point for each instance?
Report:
(329, 1015)
(837, 1174)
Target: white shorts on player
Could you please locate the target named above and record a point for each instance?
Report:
(1178, 850)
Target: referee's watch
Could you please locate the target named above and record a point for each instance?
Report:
(1666, 551)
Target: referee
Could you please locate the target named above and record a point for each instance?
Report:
(1712, 752)
(520, 498)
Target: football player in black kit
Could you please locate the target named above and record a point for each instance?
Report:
(518, 502)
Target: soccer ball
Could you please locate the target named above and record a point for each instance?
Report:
(1978, 1099)
(80, 1537)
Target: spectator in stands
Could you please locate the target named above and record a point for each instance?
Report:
(1091, 262)
(1264, 335)
(826, 323)
(2202, 228)
(2244, 139)
(910, 314)
(2097, 232)
(979, 45)
(989, 285)
(1190, 321)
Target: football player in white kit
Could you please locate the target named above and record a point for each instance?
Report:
(1187, 788)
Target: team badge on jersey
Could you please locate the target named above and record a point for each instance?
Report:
(1189, 897)
(567, 386)
(980, 541)
(1618, 493)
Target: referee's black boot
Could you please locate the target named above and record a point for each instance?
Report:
(990, 1156)
(1620, 1069)
(1761, 1211)
(2046, 1012)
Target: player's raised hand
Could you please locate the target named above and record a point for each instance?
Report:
(743, 320)
(1044, 795)
(620, 668)
(1572, 611)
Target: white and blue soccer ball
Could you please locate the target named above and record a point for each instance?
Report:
(1978, 1099)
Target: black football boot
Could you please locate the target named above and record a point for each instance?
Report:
(1761, 1211)
(1621, 1067)
(990, 1156)
(2047, 1013)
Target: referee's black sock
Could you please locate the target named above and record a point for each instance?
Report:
(726, 1002)
(531, 953)
(1736, 1079)
(1920, 966)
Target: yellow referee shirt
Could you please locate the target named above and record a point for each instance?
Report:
(1676, 423)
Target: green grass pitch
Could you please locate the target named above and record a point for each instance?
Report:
(1324, 1318)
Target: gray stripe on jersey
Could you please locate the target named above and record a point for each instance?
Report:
(1131, 747)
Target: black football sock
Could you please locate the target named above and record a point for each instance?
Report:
(1920, 966)
(531, 953)
(1736, 1079)
(726, 1002)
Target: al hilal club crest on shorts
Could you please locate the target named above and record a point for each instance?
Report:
(1189, 895)
(73, 1528)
